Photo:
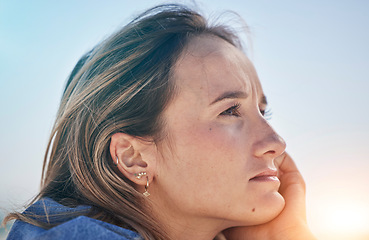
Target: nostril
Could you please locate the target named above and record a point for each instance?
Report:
(270, 152)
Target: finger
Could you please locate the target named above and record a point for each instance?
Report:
(292, 185)
(285, 163)
(290, 174)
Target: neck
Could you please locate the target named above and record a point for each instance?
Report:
(181, 226)
(182, 230)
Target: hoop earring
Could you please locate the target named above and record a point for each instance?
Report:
(116, 164)
(139, 176)
(146, 193)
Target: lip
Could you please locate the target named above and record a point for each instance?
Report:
(266, 176)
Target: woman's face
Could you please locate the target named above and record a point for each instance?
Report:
(217, 163)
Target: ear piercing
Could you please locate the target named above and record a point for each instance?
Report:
(116, 164)
(139, 176)
(146, 193)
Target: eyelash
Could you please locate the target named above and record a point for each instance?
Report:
(232, 111)
(267, 113)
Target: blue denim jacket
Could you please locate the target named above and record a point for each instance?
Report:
(70, 227)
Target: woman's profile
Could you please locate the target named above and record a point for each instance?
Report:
(161, 134)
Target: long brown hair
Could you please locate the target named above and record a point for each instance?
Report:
(122, 85)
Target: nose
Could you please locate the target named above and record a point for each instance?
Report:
(269, 144)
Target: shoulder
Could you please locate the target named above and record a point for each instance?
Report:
(69, 226)
(78, 228)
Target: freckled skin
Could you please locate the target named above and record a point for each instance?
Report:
(204, 167)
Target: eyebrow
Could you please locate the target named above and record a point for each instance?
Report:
(237, 94)
(230, 95)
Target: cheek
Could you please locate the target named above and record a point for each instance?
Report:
(207, 139)
(211, 150)
(227, 141)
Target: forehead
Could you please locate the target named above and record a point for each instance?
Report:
(210, 66)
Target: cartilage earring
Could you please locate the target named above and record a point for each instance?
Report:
(116, 164)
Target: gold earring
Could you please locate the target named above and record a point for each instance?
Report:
(139, 176)
(146, 193)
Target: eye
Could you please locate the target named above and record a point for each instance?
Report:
(232, 111)
(267, 114)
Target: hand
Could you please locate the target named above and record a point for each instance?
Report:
(291, 223)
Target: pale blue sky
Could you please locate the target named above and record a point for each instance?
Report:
(311, 57)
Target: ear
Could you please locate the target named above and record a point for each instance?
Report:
(132, 156)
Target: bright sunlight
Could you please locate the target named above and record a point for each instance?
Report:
(342, 219)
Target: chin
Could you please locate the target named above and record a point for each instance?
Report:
(269, 208)
(264, 209)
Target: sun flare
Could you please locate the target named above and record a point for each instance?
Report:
(345, 218)
(342, 220)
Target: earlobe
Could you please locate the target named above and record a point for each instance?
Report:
(139, 176)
